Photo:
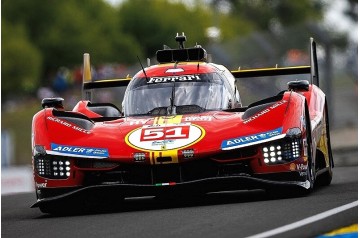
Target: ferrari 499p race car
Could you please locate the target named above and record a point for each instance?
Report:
(181, 129)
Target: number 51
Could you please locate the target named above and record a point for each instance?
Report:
(164, 133)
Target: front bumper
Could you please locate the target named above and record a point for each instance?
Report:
(216, 184)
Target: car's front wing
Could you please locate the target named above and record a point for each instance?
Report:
(215, 184)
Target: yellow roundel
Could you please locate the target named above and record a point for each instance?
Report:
(164, 137)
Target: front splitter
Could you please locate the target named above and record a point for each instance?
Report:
(205, 185)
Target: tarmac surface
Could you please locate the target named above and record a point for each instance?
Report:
(229, 214)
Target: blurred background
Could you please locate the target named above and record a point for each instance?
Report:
(43, 43)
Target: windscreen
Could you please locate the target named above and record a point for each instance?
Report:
(182, 94)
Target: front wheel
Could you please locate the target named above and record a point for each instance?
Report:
(310, 172)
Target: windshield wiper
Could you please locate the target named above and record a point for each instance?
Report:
(158, 111)
(171, 110)
(183, 109)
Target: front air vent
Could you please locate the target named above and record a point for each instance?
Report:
(236, 154)
(75, 118)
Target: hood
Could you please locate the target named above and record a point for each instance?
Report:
(165, 136)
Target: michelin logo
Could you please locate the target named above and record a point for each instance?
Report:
(251, 139)
(80, 151)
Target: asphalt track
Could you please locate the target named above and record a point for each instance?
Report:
(235, 214)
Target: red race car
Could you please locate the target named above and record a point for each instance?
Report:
(181, 129)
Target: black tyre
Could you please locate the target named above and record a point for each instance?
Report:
(310, 172)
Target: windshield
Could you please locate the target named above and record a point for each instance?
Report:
(176, 94)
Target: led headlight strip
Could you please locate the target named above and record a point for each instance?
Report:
(282, 151)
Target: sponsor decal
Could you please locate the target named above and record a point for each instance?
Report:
(301, 167)
(80, 151)
(302, 174)
(41, 185)
(163, 143)
(263, 112)
(298, 167)
(67, 124)
(180, 78)
(164, 137)
(278, 104)
(251, 139)
(138, 122)
(187, 154)
(198, 118)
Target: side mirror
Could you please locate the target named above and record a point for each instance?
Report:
(298, 85)
(56, 103)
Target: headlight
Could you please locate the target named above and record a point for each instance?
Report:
(272, 153)
(52, 167)
(284, 151)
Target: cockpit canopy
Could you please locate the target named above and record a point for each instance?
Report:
(178, 94)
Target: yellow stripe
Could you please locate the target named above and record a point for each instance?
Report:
(152, 161)
(168, 153)
(167, 120)
(164, 120)
(155, 120)
(271, 69)
(344, 230)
